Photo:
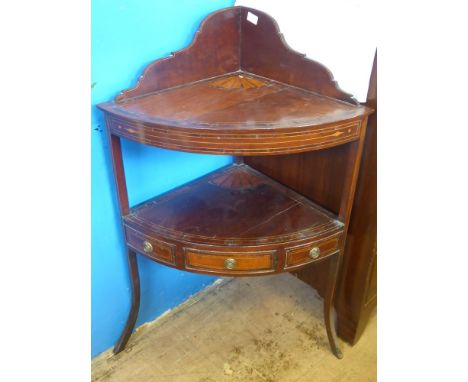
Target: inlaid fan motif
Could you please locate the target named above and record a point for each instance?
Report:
(237, 81)
(236, 178)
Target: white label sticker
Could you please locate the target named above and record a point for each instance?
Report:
(252, 18)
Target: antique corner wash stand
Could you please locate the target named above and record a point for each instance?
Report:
(240, 90)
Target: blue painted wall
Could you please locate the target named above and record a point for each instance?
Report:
(126, 36)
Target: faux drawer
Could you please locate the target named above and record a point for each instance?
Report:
(298, 256)
(156, 249)
(229, 262)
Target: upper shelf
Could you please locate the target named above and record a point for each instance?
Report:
(237, 89)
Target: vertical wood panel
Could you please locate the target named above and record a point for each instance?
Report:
(357, 292)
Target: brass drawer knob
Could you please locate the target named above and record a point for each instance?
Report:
(230, 263)
(147, 247)
(314, 252)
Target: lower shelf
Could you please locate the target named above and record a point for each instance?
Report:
(234, 221)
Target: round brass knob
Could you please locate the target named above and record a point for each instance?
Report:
(147, 247)
(314, 252)
(230, 263)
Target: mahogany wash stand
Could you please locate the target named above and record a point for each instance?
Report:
(284, 204)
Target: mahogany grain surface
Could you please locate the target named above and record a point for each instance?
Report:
(238, 113)
(213, 103)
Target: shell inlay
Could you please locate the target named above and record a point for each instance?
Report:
(237, 81)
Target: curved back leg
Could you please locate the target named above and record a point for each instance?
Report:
(133, 314)
(333, 263)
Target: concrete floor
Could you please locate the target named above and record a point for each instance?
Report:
(264, 329)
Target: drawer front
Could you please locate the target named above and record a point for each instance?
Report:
(230, 262)
(156, 249)
(306, 254)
